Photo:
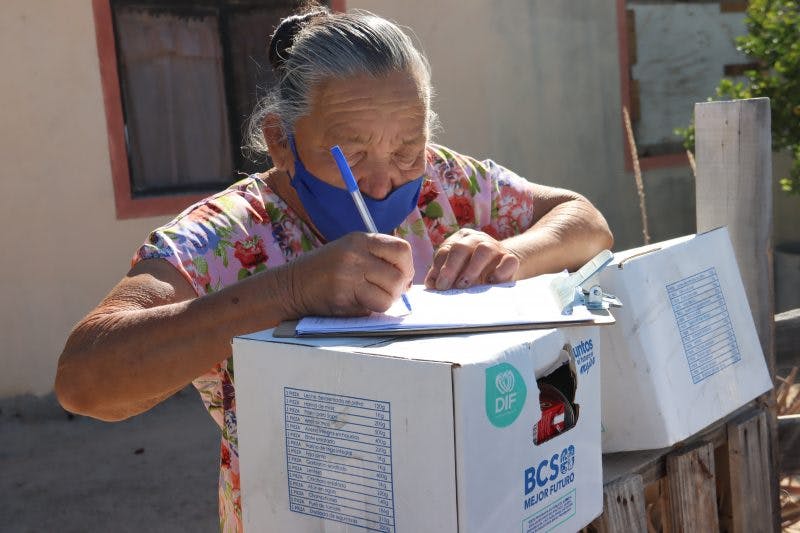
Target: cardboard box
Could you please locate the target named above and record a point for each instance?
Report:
(426, 434)
(684, 351)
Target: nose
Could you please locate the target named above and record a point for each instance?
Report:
(376, 181)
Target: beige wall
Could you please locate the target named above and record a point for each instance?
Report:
(63, 246)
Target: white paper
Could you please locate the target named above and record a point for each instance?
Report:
(529, 301)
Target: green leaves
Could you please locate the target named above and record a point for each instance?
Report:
(274, 214)
(200, 265)
(221, 251)
(433, 210)
(687, 134)
(474, 188)
(418, 227)
(245, 273)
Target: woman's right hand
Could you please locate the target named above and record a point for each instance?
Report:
(356, 274)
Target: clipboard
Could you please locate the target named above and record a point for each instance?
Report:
(288, 328)
(543, 302)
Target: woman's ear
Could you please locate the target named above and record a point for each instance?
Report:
(277, 144)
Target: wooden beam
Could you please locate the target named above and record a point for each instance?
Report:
(692, 489)
(749, 471)
(657, 505)
(733, 147)
(623, 506)
(651, 464)
(738, 69)
(732, 6)
(733, 144)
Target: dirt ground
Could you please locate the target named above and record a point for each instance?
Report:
(154, 472)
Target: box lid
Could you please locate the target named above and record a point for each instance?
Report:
(459, 350)
(644, 252)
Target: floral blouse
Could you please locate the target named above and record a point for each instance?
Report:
(247, 228)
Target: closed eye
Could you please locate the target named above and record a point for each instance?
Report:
(353, 158)
(407, 160)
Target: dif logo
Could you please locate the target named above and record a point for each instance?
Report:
(505, 394)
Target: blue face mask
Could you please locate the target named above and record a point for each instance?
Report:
(332, 209)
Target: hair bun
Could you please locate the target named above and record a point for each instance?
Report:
(285, 33)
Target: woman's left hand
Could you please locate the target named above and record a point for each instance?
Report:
(470, 257)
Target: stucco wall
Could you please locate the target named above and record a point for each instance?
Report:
(63, 247)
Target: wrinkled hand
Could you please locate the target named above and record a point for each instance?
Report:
(356, 274)
(470, 257)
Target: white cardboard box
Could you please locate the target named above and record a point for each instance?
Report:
(684, 351)
(422, 435)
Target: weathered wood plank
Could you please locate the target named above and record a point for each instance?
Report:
(723, 478)
(623, 507)
(656, 502)
(738, 459)
(650, 464)
(749, 471)
(733, 146)
(692, 489)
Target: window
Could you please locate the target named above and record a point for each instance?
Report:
(180, 78)
(672, 54)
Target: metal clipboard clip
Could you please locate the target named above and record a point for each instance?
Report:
(582, 288)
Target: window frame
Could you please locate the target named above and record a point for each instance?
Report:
(127, 206)
(646, 162)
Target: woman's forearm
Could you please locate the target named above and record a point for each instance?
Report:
(127, 356)
(567, 236)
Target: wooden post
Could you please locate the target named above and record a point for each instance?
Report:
(623, 506)
(733, 145)
(692, 489)
(748, 463)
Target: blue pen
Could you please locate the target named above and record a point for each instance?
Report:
(355, 192)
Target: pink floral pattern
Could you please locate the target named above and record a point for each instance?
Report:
(247, 228)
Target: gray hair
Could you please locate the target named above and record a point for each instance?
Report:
(309, 48)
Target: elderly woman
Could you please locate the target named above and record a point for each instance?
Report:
(289, 242)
